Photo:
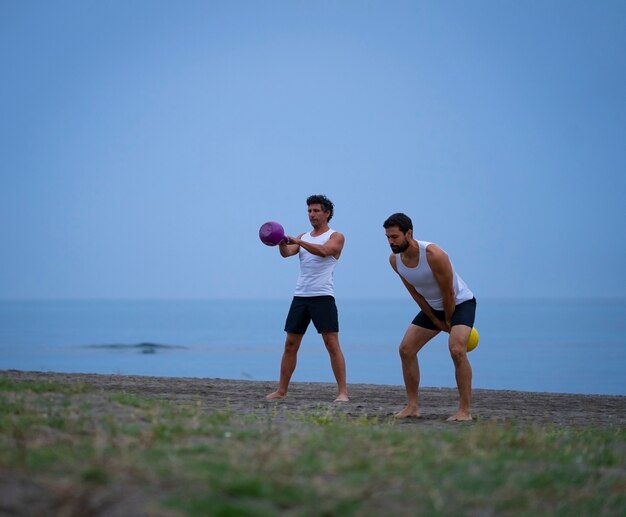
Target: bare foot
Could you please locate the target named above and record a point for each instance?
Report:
(408, 412)
(460, 416)
(275, 396)
(342, 398)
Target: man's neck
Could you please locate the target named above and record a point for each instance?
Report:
(316, 232)
(412, 251)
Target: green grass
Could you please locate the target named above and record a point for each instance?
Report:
(324, 463)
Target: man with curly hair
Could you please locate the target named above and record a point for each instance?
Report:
(314, 297)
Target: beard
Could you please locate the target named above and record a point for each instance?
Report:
(400, 248)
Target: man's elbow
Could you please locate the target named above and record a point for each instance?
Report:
(330, 252)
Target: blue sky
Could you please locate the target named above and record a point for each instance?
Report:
(143, 143)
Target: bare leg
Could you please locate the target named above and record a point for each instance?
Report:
(287, 365)
(414, 339)
(338, 364)
(462, 370)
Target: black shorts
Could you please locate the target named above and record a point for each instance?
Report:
(321, 309)
(464, 314)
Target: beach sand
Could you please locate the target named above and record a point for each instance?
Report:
(370, 400)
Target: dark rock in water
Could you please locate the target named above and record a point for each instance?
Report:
(149, 348)
(144, 348)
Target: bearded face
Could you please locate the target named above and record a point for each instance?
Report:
(400, 247)
(398, 240)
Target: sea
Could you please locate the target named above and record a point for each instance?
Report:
(543, 345)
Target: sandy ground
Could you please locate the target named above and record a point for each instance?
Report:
(369, 400)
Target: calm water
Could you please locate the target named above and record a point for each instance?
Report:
(573, 346)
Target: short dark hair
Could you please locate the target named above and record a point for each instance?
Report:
(400, 220)
(320, 199)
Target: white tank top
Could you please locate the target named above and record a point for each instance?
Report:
(423, 279)
(316, 273)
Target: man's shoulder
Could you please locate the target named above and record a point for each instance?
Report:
(434, 252)
(431, 247)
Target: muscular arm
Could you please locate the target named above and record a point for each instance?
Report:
(332, 247)
(441, 267)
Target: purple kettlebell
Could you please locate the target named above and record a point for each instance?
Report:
(271, 233)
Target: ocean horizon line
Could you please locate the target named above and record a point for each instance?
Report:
(540, 298)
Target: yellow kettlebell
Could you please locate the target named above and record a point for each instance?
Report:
(472, 341)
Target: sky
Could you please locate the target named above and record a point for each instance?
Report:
(143, 143)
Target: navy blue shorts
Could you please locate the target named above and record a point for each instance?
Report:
(322, 310)
(464, 314)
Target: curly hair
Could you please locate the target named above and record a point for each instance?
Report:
(320, 199)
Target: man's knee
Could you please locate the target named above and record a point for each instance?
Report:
(331, 340)
(458, 354)
(292, 343)
(458, 343)
(406, 351)
(414, 340)
(458, 350)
